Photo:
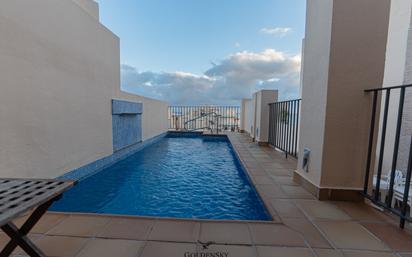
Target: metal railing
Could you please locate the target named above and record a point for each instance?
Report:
(284, 126)
(387, 190)
(214, 118)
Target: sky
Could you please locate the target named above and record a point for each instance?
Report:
(207, 51)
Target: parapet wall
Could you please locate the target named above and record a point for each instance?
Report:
(59, 71)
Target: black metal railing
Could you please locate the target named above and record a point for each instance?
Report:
(389, 191)
(213, 118)
(284, 126)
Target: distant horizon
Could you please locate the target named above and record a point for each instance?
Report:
(207, 52)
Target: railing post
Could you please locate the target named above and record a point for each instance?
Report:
(407, 186)
(217, 124)
(396, 146)
(370, 144)
(284, 126)
(382, 146)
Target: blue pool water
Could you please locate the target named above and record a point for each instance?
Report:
(183, 177)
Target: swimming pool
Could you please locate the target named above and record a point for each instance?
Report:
(182, 177)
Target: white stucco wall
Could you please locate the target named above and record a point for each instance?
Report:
(154, 116)
(249, 115)
(59, 70)
(263, 98)
(406, 131)
(396, 53)
(315, 70)
(343, 57)
(242, 114)
(357, 57)
(90, 6)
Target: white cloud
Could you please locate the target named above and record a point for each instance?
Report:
(280, 31)
(235, 77)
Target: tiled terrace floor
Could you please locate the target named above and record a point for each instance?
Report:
(303, 226)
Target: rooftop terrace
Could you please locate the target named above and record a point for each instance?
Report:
(302, 226)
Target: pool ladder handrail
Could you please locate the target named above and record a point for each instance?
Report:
(202, 116)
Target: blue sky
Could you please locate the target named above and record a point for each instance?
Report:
(187, 51)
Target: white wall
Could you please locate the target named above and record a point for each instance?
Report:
(154, 116)
(90, 6)
(59, 70)
(345, 46)
(263, 98)
(255, 114)
(396, 51)
(406, 131)
(249, 116)
(315, 70)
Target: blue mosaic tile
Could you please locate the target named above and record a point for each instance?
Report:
(96, 166)
(126, 107)
(126, 123)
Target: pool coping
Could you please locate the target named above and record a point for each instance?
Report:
(249, 174)
(269, 210)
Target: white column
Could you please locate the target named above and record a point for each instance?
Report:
(262, 99)
(345, 45)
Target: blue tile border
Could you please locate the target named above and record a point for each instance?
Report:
(96, 166)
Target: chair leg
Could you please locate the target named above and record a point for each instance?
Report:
(18, 238)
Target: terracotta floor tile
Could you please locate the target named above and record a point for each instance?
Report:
(322, 210)
(271, 191)
(4, 240)
(280, 235)
(79, 226)
(285, 180)
(226, 233)
(289, 166)
(111, 248)
(231, 250)
(351, 253)
(268, 251)
(273, 213)
(3, 237)
(47, 222)
(286, 208)
(309, 231)
(350, 235)
(272, 166)
(392, 235)
(328, 253)
(247, 159)
(259, 154)
(263, 160)
(263, 180)
(21, 219)
(61, 246)
(256, 172)
(178, 231)
(252, 165)
(297, 192)
(160, 249)
(361, 211)
(124, 228)
(279, 172)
